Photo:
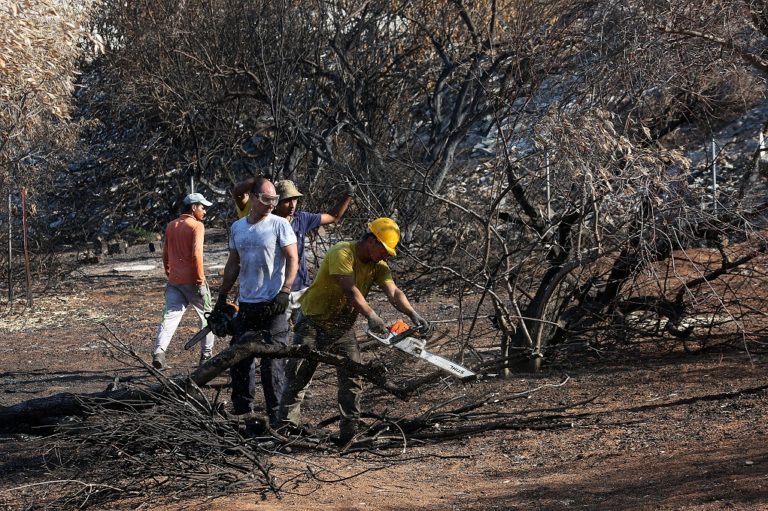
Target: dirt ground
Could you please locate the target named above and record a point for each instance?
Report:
(665, 430)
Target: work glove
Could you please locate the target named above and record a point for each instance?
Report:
(216, 315)
(202, 290)
(351, 188)
(280, 303)
(219, 307)
(376, 325)
(221, 302)
(422, 325)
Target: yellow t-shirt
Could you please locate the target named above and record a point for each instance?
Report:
(243, 212)
(325, 302)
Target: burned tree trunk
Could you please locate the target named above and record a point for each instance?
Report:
(47, 411)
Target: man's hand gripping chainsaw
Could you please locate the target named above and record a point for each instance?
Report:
(221, 321)
(400, 337)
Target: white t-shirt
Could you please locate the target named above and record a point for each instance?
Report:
(262, 263)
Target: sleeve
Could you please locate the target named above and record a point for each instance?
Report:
(166, 257)
(340, 262)
(311, 221)
(383, 273)
(285, 233)
(197, 249)
(232, 229)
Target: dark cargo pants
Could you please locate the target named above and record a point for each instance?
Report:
(300, 372)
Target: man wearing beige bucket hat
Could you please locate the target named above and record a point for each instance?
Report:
(302, 223)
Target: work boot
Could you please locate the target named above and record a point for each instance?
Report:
(303, 430)
(205, 357)
(289, 428)
(348, 429)
(158, 360)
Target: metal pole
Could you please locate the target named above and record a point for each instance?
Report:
(10, 248)
(191, 184)
(714, 177)
(549, 206)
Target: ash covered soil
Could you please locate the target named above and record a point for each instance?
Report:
(652, 427)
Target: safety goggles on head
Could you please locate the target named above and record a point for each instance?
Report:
(268, 200)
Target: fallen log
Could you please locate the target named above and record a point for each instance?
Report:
(41, 412)
(372, 372)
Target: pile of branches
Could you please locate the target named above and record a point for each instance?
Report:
(167, 438)
(168, 445)
(175, 446)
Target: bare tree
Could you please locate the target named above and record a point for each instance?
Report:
(622, 209)
(534, 152)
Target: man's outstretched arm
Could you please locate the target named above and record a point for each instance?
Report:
(335, 214)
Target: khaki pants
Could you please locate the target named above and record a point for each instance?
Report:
(300, 372)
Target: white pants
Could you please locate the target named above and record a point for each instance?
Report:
(177, 298)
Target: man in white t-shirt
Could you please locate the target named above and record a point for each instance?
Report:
(263, 253)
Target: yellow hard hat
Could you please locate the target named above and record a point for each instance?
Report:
(387, 232)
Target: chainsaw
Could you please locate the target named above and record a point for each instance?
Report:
(400, 337)
(221, 324)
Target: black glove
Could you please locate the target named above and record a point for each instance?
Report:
(221, 319)
(280, 303)
(421, 324)
(376, 325)
(220, 305)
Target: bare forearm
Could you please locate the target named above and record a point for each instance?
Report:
(341, 207)
(166, 261)
(335, 214)
(291, 269)
(358, 302)
(400, 302)
(291, 254)
(197, 248)
(231, 271)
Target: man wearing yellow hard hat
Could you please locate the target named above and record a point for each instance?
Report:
(329, 309)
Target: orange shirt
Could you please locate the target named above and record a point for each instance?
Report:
(183, 251)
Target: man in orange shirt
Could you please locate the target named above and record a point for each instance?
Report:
(183, 261)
